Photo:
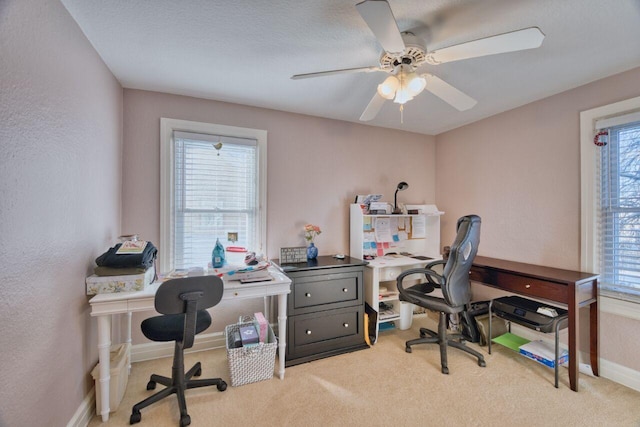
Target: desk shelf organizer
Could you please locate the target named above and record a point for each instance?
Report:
(412, 242)
(521, 311)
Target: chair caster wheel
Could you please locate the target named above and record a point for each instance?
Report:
(151, 385)
(445, 370)
(222, 386)
(185, 420)
(408, 349)
(482, 363)
(135, 417)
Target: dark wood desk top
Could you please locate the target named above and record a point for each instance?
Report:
(536, 271)
(320, 262)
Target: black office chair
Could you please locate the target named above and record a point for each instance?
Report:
(183, 303)
(456, 289)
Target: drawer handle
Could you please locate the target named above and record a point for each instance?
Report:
(308, 295)
(235, 294)
(308, 332)
(346, 325)
(345, 290)
(527, 286)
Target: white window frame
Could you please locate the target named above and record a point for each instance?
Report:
(589, 202)
(167, 180)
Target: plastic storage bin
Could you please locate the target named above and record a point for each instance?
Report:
(119, 377)
(250, 364)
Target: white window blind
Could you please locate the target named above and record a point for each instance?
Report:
(619, 206)
(215, 192)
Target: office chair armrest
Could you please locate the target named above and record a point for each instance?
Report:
(440, 278)
(428, 274)
(434, 263)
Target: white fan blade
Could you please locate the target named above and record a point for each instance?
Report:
(332, 72)
(373, 108)
(379, 17)
(529, 38)
(448, 93)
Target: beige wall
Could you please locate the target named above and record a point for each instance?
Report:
(63, 182)
(60, 185)
(315, 166)
(520, 171)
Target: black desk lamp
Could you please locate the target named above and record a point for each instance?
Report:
(401, 187)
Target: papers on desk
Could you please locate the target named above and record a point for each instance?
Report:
(243, 273)
(251, 273)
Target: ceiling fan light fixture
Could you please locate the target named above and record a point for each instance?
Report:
(387, 89)
(416, 84)
(410, 85)
(402, 96)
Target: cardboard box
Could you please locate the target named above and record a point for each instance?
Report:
(112, 284)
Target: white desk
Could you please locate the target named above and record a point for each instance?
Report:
(103, 306)
(385, 270)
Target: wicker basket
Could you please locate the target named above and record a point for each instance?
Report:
(250, 364)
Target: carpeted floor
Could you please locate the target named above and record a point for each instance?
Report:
(385, 386)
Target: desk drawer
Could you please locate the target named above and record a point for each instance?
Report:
(324, 292)
(523, 285)
(322, 332)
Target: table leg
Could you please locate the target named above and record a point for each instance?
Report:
(104, 350)
(593, 340)
(574, 315)
(128, 341)
(267, 307)
(282, 331)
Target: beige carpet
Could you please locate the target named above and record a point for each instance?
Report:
(384, 386)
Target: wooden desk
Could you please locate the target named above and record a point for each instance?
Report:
(103, 306)
(573, 288)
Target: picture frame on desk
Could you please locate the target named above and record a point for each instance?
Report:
(293, 255)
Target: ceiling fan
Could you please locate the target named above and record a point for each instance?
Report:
(404, 53)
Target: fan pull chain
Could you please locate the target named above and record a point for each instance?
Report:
(401, 113)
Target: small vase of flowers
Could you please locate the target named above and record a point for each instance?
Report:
(310, 233)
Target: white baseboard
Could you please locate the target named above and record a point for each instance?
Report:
(620, 374)
(85, 411)
(156, 350)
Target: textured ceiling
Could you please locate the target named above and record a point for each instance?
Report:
(246, 51)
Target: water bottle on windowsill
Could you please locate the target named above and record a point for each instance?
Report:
(217, 256)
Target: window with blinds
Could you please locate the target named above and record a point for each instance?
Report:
(619, 206)
(215, 193)
(213, 186)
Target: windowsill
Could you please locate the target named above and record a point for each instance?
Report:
(620, 304)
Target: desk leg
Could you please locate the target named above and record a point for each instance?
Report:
(129, 341)
(282, 331)
(574, 316)
(593, 337)
(104, 350)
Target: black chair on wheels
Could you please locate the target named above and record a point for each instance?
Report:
(456, 290)
(182, 303)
